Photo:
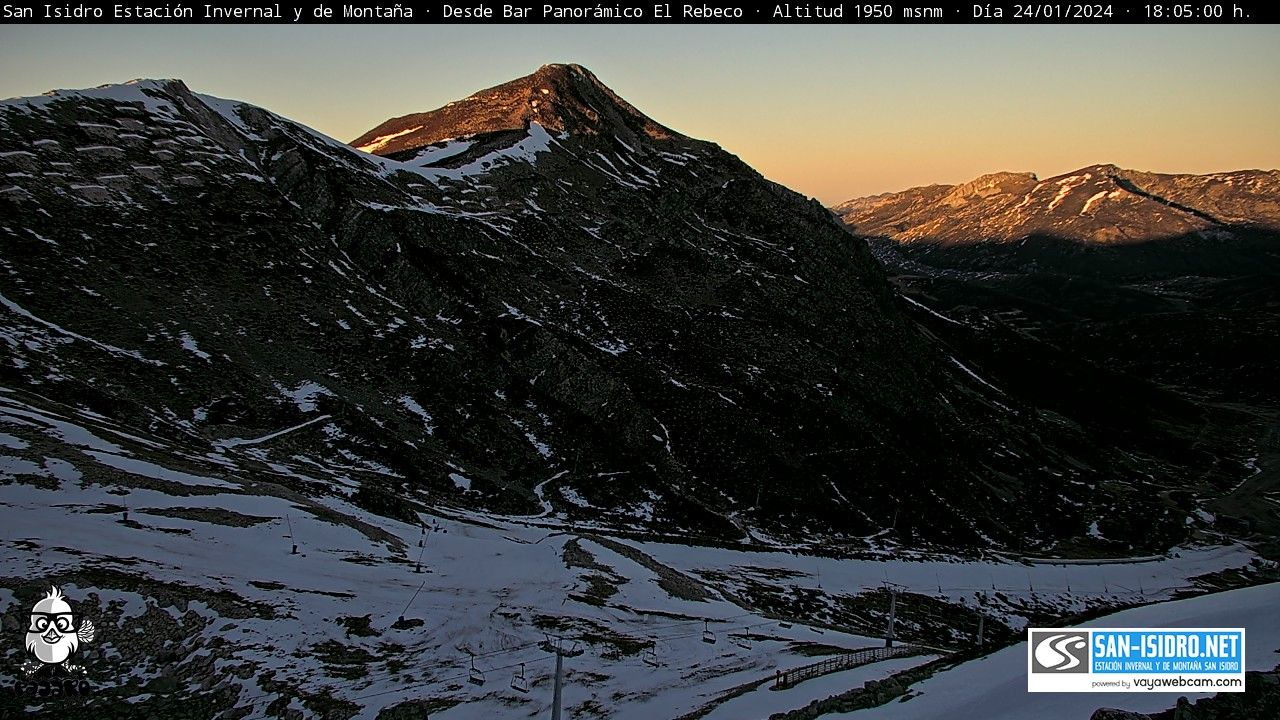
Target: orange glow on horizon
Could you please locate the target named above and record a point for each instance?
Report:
(834, 112)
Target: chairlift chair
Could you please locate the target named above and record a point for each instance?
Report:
(708, 637)
(475, 677)
(519, 682)
(649, 657)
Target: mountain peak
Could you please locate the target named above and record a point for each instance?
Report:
(566, 71)
(559, 97)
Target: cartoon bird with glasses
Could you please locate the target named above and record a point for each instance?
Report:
(52, 635)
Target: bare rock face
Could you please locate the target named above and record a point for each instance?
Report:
(1101, 204)
(989, 186)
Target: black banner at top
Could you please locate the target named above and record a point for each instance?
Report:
(708, 11)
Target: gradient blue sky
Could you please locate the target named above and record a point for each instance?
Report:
(832, 111)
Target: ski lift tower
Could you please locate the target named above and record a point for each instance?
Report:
(561, 653)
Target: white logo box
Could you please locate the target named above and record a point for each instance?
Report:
(1154, 659)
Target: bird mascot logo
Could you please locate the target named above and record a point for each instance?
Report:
(53, 635)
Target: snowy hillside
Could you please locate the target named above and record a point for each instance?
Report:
(995, 686)
(197, 591)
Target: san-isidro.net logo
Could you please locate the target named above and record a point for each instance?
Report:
(1135, 659)
(1060, 652)
(54, 634)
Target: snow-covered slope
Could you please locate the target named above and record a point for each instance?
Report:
(995, 686)
(198, 597)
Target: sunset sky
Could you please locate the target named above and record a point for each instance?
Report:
(831, 111)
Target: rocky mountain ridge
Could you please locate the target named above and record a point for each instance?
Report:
(1100, 204)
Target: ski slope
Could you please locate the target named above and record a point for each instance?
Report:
(209, 536)
(995, 687)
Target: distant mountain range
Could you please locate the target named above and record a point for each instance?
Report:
(1101, 204)
(1165, 279)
